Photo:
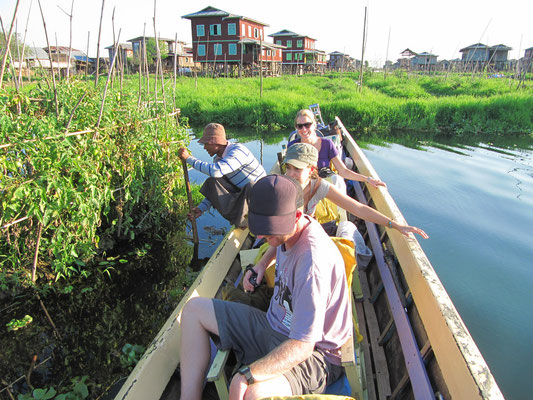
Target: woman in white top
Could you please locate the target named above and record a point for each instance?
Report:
(300, 163)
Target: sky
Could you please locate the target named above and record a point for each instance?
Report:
(441, 28)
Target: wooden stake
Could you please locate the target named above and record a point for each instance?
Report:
(107, 82)
(175, 66)
(8, 42)
(73, 111)
(24, 45)
(98, 47)
(36, 254)
(191, 206)
(87, 55)
(50, 58)
(56, 332)
(362, 55)
(70, 42)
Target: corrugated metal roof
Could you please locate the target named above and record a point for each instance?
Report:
(500, 47)
(215, 12)
(474, 47)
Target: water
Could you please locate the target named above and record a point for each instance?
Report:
(475, 201)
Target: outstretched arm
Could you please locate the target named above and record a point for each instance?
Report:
(354, 176)
(368, 213)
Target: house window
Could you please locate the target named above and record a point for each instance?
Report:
(289, 43)
(249, 31)
(299, 43)
(232, 29)
(278, 42)
(232, 49)
(201, 49)
(289, 56)
(217, 47)
(200, 30)
(269, 53)
(215, 30)
(256, 32)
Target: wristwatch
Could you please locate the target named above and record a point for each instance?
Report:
(245, 371)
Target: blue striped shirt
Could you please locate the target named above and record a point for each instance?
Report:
(237, 163)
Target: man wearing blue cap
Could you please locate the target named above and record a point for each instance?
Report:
(293, 348)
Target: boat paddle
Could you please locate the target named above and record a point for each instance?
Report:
(194, 261)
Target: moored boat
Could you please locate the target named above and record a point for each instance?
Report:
(414, 343)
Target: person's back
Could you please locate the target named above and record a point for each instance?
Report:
(239, 165)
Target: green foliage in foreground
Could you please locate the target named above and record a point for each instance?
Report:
(76, 194)
(435, 104)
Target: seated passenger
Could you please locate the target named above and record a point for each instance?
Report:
(233, 171)
(328, 154)
(301, 164)
(293, 348)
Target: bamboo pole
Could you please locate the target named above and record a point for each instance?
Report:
(50, 58)
(73, 111)
(24, 44)
(191, 206)
(145, 64)
(115, 44)
(261, 66)
(175, 65)
(362, 55)
(70, 42)
(36, 254)
(140, 79)
(98, 46)
(13, 71)
(387, 56)
(159, 60)
(87, 55)
(8, 42)
(107, 84)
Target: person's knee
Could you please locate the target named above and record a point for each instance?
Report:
(194, 308)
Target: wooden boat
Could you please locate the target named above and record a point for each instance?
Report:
(414, 345)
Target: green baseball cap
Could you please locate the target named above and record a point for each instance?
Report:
(301, 155)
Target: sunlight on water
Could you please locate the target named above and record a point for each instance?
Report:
(476, 203)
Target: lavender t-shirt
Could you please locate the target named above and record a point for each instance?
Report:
(311, 295)
(328, 150)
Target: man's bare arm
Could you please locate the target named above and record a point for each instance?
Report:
(280, 360)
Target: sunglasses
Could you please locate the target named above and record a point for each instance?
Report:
(307, 125)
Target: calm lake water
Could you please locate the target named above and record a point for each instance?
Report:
(475, 201)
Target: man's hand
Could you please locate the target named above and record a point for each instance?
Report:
(248, 287)
(238, 387)
(196, 212)
(183, 153)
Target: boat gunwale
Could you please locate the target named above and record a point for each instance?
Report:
(152, 373)
(464, 369)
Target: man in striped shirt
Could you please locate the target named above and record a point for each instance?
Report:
(233, 170)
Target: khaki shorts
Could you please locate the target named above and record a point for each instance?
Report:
(247, 332)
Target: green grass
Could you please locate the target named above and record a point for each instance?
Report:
(454, 105)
